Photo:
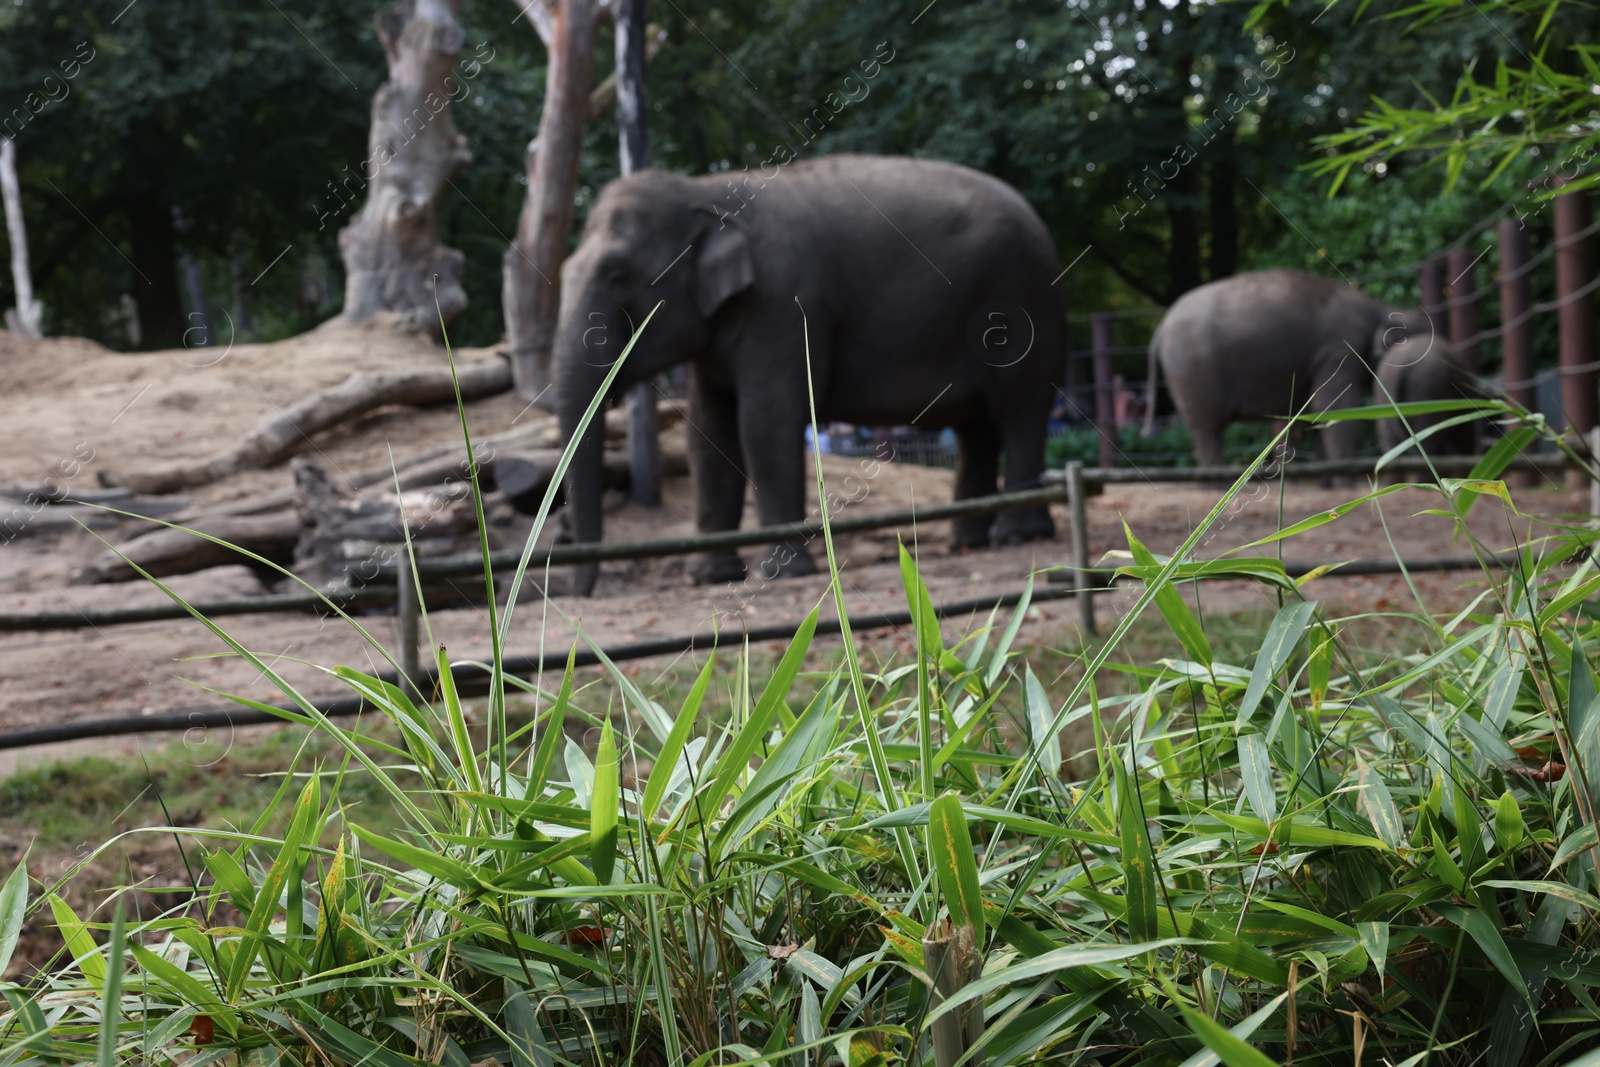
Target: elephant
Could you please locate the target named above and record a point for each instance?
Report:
(1265, 344)
(922, 292)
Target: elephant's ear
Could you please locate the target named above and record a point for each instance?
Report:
(724, 269)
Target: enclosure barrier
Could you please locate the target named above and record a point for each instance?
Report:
(399, 589)
(473, 679)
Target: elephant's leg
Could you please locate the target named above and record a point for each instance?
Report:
(1207, 436)
(1023, 440)
(716, 465)
(977, 468)
(774, 447)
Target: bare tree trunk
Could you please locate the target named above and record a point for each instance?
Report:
(25, 317)
(633, 128)
(533, 263)
(197, 322)
(392, 255)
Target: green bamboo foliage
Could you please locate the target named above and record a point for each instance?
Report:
(1304, 850)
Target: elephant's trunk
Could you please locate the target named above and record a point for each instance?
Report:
(577, 385)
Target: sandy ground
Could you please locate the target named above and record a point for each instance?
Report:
(149, 409)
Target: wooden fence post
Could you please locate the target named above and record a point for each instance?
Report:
(1464, 306)
(1574, 270)
(1516, 338)
(1080, 548)
(1431, 282)
(1104, 399)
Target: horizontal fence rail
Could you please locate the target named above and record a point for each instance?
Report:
(385, 595)
(472, 679)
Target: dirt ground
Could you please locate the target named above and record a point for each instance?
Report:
(73, 401)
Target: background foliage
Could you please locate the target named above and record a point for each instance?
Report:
(240, 115)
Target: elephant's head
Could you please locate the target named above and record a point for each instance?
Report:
(1414, 361)
(652, 238)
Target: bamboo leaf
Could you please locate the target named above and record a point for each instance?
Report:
(955, 865)
(1232, 1049)
(13, 910)
(670, 756)
(1138, 861)
(79, 941)
(545, 755)
(1377, 805)
(1282, 636)
(1184, 625)
(604, 804)
(1052, 962)
(1255, 768)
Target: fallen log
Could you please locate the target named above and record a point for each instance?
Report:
(169, 551)
(341, 530)
(283, 432)
(445, 463)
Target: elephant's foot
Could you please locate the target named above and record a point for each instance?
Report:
(785, 561)
(583, 578)
(714, 568)
(971, 532)
(1020, 527)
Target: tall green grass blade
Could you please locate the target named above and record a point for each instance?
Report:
(111, 994)
(1230, 1048)
(466, 757)
(1138, 861)
(930, 648)
(1184, 625)
(544, 756)
(604, 805)
(304, 824)
(670, 756)
(866, 715)
(735, 760)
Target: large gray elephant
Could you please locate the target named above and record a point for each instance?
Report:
(926, 291)
(1262, 345)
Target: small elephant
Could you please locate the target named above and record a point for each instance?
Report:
(923, 293)
(1263, 345)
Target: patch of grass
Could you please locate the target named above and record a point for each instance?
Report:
(1198, 839)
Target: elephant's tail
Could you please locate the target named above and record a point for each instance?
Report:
(1152, 382)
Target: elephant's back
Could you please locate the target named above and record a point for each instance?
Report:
(1292, 308)
(944, 212)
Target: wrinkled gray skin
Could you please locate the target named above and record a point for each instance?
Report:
(927, 296)
(1261, 345)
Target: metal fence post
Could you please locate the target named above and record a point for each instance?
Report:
(406, 612)
(1080, 547)
(1104, 397)
(1516, 340)
(1574, 269)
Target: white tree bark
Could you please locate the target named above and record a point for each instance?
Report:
(27, 317)
(391, 249)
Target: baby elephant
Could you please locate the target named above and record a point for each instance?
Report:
(1263, 345)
